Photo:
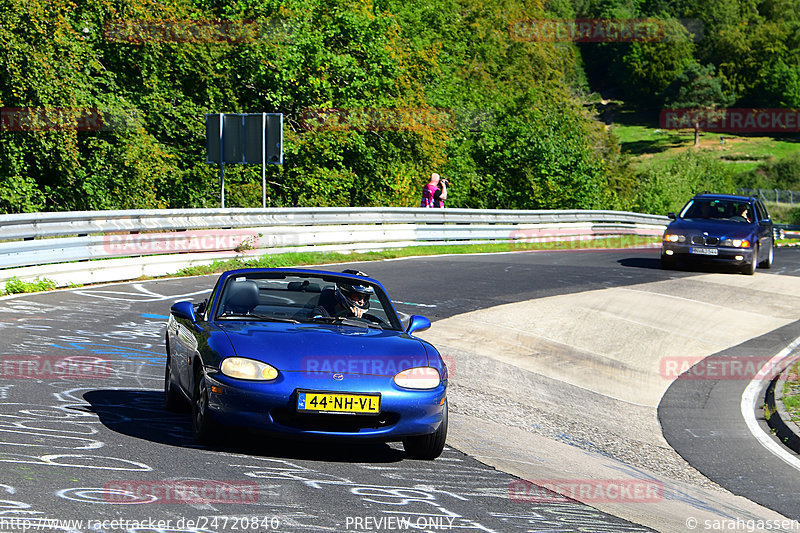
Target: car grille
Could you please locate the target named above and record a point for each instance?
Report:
(333, 422)
(703, 240)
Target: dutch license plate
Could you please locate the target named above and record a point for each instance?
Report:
(334, 402)
(704, 251)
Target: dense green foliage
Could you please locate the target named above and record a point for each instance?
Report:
(753, 45)
(499, 116)
(455, 91)
(782, 174)
(667, 188)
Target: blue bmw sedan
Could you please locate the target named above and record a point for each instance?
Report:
(720, 229)
(306, 353)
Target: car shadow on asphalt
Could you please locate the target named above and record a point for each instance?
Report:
(641, 262)
(141, 414)
(683, 267)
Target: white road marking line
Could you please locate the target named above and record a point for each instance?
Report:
(748, 408)
(137, 297)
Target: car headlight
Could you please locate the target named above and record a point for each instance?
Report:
(672, 237)
(736, 243)
(421, 377)
(241, 368)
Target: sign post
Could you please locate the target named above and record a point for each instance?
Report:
(244, 139)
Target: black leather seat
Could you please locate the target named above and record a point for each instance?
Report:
(241, 297)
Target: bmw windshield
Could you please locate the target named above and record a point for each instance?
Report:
(716, 209)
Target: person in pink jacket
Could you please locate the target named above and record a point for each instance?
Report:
(435, 192)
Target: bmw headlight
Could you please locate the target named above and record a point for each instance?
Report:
(242, 368)
(674, 237)
(421, 377)
(736, 243)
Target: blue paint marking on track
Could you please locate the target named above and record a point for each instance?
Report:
(152, 358)
(148, 315)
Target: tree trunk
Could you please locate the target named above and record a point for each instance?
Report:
(696, 133)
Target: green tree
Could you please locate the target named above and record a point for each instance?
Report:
(666, 188)
(649, 67)
(699, 90)
(778, 85)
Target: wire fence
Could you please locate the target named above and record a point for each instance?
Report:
(773, 195)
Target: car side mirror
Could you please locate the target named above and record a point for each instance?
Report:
(184, 310)
(671, 216)
(417, 323)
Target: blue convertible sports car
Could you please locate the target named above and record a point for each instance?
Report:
(721, 229)
(306, 353)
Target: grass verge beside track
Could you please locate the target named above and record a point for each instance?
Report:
(791, 394)
(292, 259)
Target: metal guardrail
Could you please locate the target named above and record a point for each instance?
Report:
(787, 231)
(36, 244)
(45, 238)
(43, 225)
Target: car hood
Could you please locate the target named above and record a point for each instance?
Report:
(718, 228)
(326, 348)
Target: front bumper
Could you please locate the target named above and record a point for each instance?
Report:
(271, 407)
(724, 254)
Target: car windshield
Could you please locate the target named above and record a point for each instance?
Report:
(299, 298)
(708, 209)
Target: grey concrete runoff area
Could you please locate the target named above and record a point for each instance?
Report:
(567, 387)
(567, 413)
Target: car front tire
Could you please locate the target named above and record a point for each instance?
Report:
(750, 268)
(767, 263)
(172, 399)
(203, 426)
(428, 446)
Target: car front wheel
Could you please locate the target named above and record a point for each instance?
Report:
(767, 263)
(203, 426)
(172, 400)
(428, 446)
(750, 268)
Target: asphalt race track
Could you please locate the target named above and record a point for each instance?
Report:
(96, 448)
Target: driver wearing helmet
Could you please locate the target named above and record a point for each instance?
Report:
(351, 299)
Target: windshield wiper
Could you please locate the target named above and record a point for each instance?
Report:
(266, 318)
